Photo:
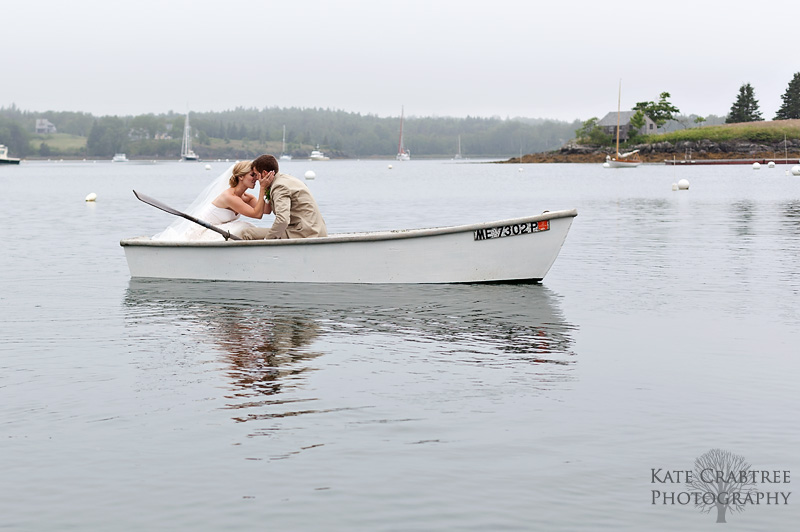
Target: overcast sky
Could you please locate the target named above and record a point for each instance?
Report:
(560, 59)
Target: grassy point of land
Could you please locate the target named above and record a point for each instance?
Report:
(764, 131)
(746, 140)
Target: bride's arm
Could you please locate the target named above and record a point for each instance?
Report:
(240, 206)
(253, 202)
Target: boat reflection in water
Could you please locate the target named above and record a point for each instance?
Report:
(270, 335)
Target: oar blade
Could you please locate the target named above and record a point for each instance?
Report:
(157, 204)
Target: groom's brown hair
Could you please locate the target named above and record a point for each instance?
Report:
(266, 163)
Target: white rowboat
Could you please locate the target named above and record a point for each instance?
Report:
(515, 250)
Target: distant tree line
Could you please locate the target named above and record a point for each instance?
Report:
(245, 132)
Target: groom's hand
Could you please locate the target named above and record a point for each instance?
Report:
(266, 179)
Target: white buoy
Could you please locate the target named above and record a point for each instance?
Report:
(795, 170)
(91, 197)
(606, 165)
(771, 164)
(520, 169)
(683, 184)
(208, 167)
(756, 166)
(390, 167)
(310, 174)
(674, 186)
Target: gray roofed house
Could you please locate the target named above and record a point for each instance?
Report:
(44, 126)
(609, 125)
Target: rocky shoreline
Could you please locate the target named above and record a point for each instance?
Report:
(659, 152)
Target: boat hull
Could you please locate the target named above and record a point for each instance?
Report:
(520, 249)
(9, 161)
(613, 163)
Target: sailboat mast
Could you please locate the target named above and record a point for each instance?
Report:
(187, 137)
(400, 143)
(619, 106)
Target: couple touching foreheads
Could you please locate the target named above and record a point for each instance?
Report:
(296, 213)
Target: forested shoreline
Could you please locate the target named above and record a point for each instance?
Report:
(246, 133)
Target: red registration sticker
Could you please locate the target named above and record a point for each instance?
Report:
(511, 230)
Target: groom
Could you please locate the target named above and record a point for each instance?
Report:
(296, 212)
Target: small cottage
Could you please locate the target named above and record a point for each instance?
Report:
(44, 126)
(609, 125)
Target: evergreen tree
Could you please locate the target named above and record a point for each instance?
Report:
(790, 108)
(745, 108)
(108, 136)
(14, 137)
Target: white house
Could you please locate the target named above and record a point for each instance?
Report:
(44, 126)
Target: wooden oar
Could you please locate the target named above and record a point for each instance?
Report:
(166, 208)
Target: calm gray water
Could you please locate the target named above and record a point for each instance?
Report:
(668, 326)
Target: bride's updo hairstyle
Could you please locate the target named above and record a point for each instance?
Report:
(240, 169)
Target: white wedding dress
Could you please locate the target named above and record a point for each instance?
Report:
(183, 230)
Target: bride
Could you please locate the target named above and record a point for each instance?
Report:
(222, 206)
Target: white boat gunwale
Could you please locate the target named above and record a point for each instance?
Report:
(355, 237)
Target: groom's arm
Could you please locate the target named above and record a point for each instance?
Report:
(282, 205)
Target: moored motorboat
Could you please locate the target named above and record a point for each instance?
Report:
(519, 249)
(119, 158)
(317, 155)
(4, 158)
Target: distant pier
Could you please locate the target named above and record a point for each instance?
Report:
(697, 162)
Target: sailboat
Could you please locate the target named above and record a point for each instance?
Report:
(458, 155)
(186, 147)
(285, 156)
(622, 160)
(402, 153)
